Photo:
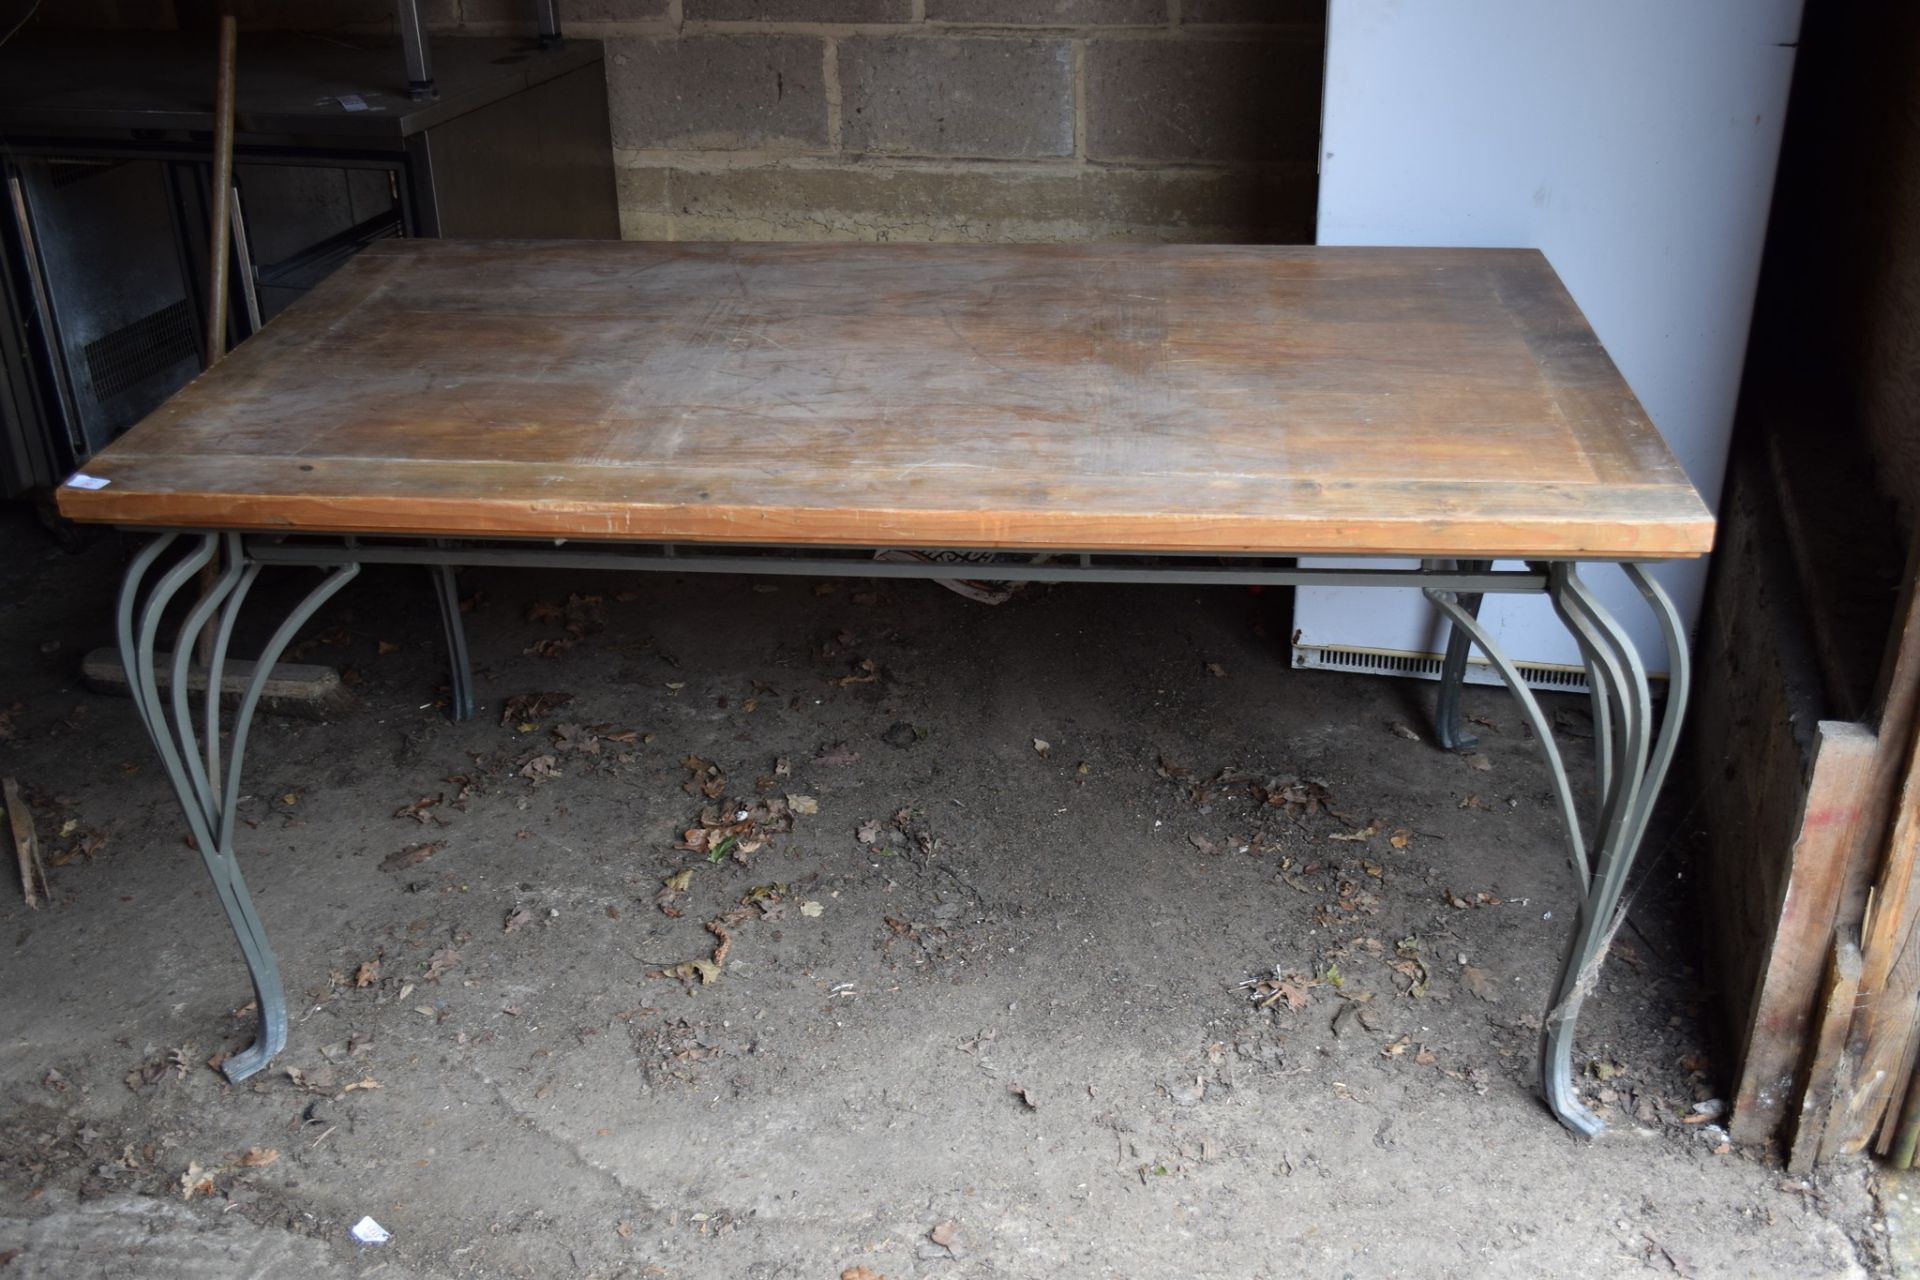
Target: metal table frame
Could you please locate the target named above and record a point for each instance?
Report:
(1633, 754)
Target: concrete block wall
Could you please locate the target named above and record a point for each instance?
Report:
(966, 119)
(1025, 120)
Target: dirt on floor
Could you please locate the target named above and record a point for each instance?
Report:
(782, 928)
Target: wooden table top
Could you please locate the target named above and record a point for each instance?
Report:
(1277, 400)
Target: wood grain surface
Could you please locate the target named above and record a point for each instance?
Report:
(1092, 397)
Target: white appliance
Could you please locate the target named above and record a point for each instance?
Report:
(1633, 142)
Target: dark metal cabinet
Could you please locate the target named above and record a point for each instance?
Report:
(105, 145)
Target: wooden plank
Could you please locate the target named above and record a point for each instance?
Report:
(306, 691)
(1868, 866)
(26, 843)
(1785, 1007)
(1141, 397)
(1753, 736)
(1827, 1071)
(1890, 974)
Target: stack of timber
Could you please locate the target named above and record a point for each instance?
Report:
(1816, 911)
(1816, 817)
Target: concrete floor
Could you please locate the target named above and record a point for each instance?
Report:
(982, 1010)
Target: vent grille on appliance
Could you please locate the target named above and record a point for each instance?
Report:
(1426, 666)
(135, 352)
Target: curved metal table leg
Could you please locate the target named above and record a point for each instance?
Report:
(1447, 728)
(1636, 766)
(460, 705)
(190, 753)
(1633, 765)
(1467, 627)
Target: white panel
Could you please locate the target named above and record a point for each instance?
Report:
(1633, 142)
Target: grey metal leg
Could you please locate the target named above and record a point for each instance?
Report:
(1637, 760)
(1634, 765)
(1447, 727)
(1467, 629)
(459, 667)
(190, 754)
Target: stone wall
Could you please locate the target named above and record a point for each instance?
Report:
(928, 119)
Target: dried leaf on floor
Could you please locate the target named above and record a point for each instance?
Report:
(576, 739)
(1291, 990)
(440, 962)
(195, 1181)
(411, 856)
(1299, 799)
(1478, 760)
(811, 909)
(864, 672)
(1414, 972)
(1402, 731)
(368, 973)
(861, 1272)
(837, 755)
(705, 778)
(1215, 669)
(705, 972)
(1026, 1096)
(1042, 746)
(1481, 983)
(869, 831)
(522, 710)
(519, 916)
(804, 805)
(258, 1157)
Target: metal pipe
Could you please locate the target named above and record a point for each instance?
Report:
(413, 43)
(546, 18)
(1504, 582)
(219, 231)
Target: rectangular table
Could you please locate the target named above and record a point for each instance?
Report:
(1129, 412)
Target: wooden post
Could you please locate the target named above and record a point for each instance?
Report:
(1879, 897)
(1785, 1008)
(1827, 1072)
(1890, 976)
